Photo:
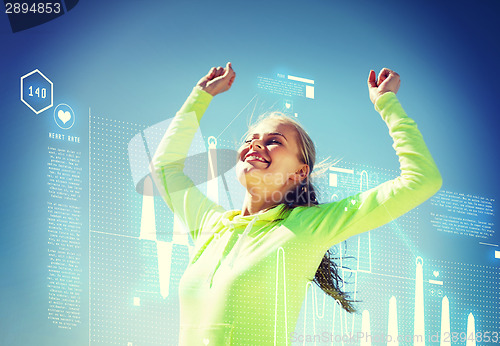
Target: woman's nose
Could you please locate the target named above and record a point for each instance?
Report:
(256, 143)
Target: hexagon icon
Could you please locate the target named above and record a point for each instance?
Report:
(37, 91)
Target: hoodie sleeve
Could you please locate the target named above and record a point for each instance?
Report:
(419, 179)
(167, 165)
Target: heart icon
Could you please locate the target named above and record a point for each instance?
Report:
(64, 116)
(287, 105)
(436, 273)
(206, 341)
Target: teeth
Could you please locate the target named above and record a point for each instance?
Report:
(256, 158)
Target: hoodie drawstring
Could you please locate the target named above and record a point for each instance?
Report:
(237, 248)
(240, 241)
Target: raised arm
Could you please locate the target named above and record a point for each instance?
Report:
(167, 165)
(419, 179)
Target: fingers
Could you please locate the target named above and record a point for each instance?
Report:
(219, 71)
(389, 75)
(382, 76)
(229, 75)
(229, 72)
(227, 69)
(211, 72)
(372, 83)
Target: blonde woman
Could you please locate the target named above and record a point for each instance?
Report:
(245, 283)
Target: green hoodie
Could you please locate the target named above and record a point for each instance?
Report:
(247, 276)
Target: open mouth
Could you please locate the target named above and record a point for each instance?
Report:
(254, 157)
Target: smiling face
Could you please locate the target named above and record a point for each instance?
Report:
(268, 161)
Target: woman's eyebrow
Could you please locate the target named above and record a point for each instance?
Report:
(271, 134)
(277, 133)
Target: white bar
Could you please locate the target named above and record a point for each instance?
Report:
(497, 254)
(342, 170)
(309, 92)
(332, 181)
(436, 282)
(300, 79)
(488, 244)
(364, 271)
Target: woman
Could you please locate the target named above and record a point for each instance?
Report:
(245, 283)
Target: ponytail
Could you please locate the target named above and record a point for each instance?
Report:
(327, 276)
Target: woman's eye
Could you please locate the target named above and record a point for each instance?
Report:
(269, 141)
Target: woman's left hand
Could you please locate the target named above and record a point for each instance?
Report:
(387, 81)
(218, 80)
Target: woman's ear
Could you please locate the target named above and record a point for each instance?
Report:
(301, 173)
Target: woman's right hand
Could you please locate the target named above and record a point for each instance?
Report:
(217, 80)
(388, 80)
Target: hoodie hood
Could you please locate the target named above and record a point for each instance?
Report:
(234, 217)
